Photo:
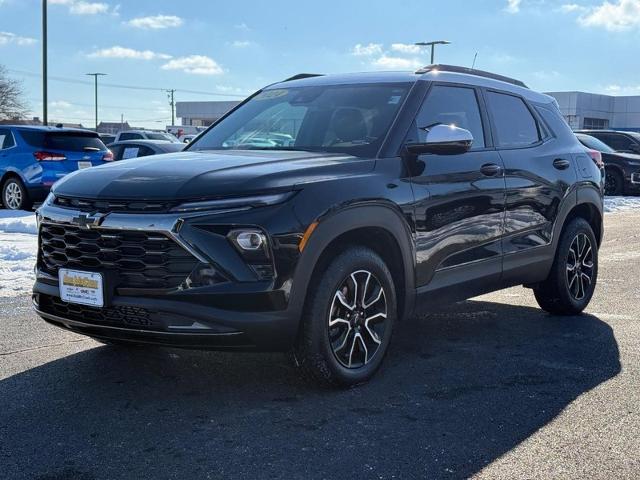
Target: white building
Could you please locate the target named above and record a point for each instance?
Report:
(202, 114)
(593, 111)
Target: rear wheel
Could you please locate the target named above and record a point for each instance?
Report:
(349, 319)
(613, 183)
(572, 281)
(14, 195)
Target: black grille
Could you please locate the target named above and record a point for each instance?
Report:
(106, 206)
(140, 259)
(131, 317)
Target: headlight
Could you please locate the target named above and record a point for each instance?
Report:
(234, 203)
(253, 245)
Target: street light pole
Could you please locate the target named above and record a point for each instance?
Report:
(433, 47)
(95, 78)
(45, 113)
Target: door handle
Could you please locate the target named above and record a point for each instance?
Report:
(490, 169)
(561, 163)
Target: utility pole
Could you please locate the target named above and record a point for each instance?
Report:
(95, 78)
(171, 95)
(433, 47)
(45, 113)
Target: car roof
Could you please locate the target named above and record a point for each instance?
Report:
(146, 142)
(602, 131)
(49, 129)
(431, 74)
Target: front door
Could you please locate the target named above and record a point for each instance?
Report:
(459, 209)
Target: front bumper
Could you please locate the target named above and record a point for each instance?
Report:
(243, 313)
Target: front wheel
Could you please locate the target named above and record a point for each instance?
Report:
(349, 319)
(572, 281)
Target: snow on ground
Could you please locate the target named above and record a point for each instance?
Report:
(18, 244)
(621, 204)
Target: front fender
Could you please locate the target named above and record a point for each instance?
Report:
(333, 225)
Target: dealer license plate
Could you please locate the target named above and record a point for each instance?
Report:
(84, 288)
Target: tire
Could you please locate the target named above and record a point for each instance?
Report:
(573, 277)
(343, 345)
(613, 183)
(14, 195)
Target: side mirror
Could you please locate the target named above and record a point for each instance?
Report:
(635, 148)
(443, 140)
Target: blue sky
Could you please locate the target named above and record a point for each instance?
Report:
(234, 48)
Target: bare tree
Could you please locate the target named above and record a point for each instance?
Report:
(12, 104)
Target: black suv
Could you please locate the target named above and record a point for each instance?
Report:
(322, 212)
(622, 170)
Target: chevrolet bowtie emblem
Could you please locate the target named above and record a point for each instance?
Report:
(88, 221)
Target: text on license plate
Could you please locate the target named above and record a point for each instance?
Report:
(84, 288)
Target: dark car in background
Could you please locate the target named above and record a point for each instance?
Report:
(622, 169)
(107, 138)
(623, 142)
(33, 158)
(323, 211)
(142, 148)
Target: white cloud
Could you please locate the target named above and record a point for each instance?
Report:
(123, 52)
(622, 89)
(388, 62)
(513, 6)
(616, 16)
(571, 7)
(82, 7)
(405, 48)
(61, 104)
(195, 64)
(366, 50)
(242, 26)
(7, 38)
(155, 22)
(241, 43)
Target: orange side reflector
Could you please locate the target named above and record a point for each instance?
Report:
(306, 236)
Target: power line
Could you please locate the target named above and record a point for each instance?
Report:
(128, 87)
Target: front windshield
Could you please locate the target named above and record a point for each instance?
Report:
(350, 119)
(594, 144)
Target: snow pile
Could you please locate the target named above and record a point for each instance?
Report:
(621, 204)
(18, 246)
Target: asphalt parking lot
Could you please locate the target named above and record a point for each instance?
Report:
(492, 388)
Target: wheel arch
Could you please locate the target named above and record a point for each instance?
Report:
(378, 226)
(589, 206)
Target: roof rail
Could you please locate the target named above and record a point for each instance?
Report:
(470, 71)
(300, 76)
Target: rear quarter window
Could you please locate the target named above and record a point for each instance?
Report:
(71, 142)
(515, 125)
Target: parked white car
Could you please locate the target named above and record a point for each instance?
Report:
(145, 135)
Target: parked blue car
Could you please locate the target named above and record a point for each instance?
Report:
(34, 158)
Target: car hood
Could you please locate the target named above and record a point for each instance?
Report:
(621, 156)
(207, 174)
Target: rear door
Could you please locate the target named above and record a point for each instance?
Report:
(459, 198)
(539, 172)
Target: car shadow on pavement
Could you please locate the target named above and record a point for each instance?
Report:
(458, 390)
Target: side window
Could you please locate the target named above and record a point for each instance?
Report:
(117, 152)
(6, 139)
(452, 106)
(515, 125)
(130, 136)
(620, 143)
(130, 151)
(145, 151)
